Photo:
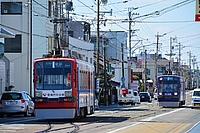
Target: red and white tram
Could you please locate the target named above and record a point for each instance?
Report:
(63, 88)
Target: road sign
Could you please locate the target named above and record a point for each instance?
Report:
(97, 85)
(123, 86)
(122, 79)
(129, 63)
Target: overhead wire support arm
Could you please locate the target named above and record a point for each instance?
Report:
(104, 12)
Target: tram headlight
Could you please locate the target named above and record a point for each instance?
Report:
(175, 93)
(68, 93)
(160, 93)
(38, 94)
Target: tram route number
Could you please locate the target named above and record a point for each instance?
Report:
(168, 94)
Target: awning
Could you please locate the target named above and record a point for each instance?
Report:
(150, 81)
(114, 83)
(6, 34)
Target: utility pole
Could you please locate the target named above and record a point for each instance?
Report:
(122, 47)
(55, 14)
(122, 78)
(129, 64)
(31, 45)
(105, 73)
(179, 59)
(97, 53)
(130, 31)
(145, 69)
(193, 71)
(197, 75)
(156, 57)
(190, 76)
(97, 42)
(170, 54)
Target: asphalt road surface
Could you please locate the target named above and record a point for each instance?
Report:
(143, 118)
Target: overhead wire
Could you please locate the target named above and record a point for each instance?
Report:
(165, 10)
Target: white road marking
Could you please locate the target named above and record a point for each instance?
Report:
(148, 119)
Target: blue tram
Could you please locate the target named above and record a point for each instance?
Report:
(171, 91)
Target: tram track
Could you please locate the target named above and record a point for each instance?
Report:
(50, 128)
(108, 119)
(100, 120)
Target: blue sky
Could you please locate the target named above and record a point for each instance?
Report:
(176, 21)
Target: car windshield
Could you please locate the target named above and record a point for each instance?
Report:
(144, 94)
(11, 96)
(196, 93)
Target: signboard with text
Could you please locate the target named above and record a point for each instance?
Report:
(197, 15)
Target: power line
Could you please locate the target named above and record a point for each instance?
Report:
(23, 31)
(40, 4)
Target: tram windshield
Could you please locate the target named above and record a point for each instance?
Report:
(168, 84)
(53, 75)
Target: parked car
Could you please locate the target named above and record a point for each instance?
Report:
(145, 97)
(16, 102)
(196, 98)
(136, 97)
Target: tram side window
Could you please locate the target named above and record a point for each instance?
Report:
(75, 78)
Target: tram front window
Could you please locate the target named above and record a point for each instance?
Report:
(168, 88)
(53, 75)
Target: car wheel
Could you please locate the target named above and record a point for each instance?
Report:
(26, 113)
(1, 115)
(33, 114)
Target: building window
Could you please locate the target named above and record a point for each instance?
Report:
(71, 33)
(11, 7)
(13, 45)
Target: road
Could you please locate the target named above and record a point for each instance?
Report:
(143, 118)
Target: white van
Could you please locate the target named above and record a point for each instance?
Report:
(196, 98)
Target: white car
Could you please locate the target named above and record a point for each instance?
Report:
(196, 98)
(136, 97)
(16, 102)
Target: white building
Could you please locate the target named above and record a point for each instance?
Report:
(16, 17)
(21, 50)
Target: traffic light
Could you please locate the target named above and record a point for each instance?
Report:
(109, 67)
